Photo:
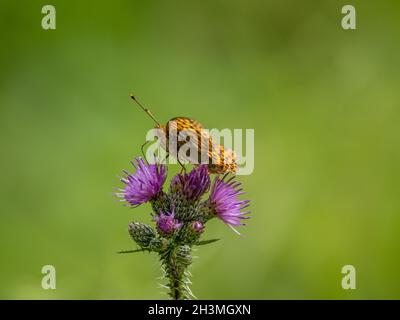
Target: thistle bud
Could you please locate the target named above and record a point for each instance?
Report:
(183, 255)
(197, 226)
(144, 236)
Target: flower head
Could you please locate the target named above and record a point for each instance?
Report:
(166, 223)
(144, 184)
(225, 203)
(192, 185)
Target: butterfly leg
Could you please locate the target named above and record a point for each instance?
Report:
(142, 149)
(183, 170)
(165, 159)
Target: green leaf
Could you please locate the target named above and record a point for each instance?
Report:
(131, 251)
(204, 242)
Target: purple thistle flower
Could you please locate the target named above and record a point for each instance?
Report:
(166, 223)
(144, 184)
(193, 185)
(225, 203)
(197, 226)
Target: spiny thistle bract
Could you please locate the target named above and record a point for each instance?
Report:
(180, 215)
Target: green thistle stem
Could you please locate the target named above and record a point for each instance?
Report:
(175, 261)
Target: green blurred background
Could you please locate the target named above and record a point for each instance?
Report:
(324, 103)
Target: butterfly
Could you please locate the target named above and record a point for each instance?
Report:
(218, 159)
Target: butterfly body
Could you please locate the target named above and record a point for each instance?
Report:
(218, 159)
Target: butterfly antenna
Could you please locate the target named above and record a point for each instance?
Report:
(145, 110)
